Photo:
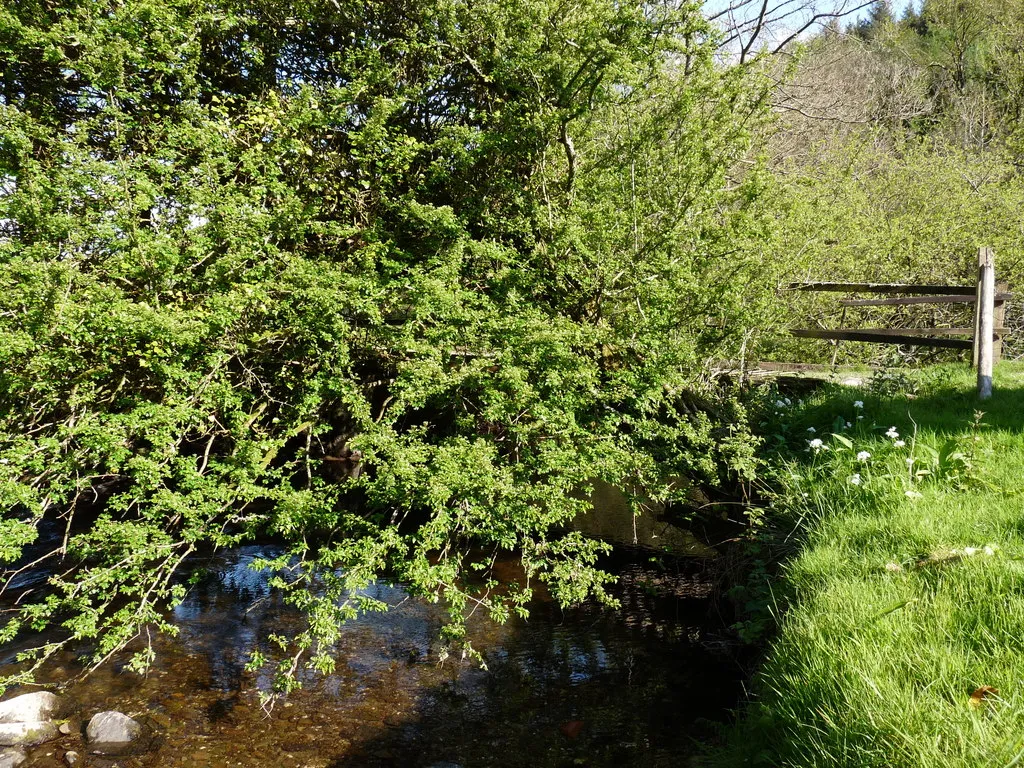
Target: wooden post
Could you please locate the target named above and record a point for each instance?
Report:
(984, 330)
(977, 318)
(1002, 287)
(835, 344)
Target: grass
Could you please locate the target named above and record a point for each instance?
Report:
(905, 592)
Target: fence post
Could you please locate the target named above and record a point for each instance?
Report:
(985, 327)
(835, 344)
(999, 320)
(975, 348)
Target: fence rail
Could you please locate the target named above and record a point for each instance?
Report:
(881, 336)
(986, 335)
(908, 300)
(932, 290)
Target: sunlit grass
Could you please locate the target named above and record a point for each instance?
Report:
(905, 588)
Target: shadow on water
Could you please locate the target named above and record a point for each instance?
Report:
(634, 687)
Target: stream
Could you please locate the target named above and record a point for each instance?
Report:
(641, 686)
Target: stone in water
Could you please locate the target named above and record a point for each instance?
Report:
(112, 728)
(28, 707)
(26, 734)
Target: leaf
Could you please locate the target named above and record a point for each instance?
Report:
(948, 452)
(981, 694)
(893, 608)
(842, 440)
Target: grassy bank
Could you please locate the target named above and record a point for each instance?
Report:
(902, 640)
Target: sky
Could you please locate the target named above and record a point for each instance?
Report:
(787, 17)
(783, 18)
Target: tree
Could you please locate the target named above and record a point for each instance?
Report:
(879, 21)
(956, 26)
(391, 282)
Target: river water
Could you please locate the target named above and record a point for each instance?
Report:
(586, 687)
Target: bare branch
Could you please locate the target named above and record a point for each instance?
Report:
(750, 26)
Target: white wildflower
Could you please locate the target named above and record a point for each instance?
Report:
(898, 443)
(913, 495)
(779, 404)
(990, 550)
(863, 456)
(971, 551)
(910, 461)
(788, 401)
(812, 430)
(858, 403)
(892, 433)
(816, 445)
(859, 418)
(855, 478)
(848, 425)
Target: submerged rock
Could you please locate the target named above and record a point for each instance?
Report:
(572, 728)
(29, 707)
(71, 757)
(26, 721)
(112, 728)
(27, 734)
(12, 758)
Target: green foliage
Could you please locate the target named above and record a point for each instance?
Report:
(886, 382)
(392, 282)
(898, 156)
(865, 212)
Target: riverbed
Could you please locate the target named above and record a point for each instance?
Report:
(641, 686)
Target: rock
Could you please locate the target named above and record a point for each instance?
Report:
(29, 707)
(27, 734)
(71, 757)
(112, 728)
(65, 728)
(12, 758)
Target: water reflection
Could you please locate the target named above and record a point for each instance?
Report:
(582, 687)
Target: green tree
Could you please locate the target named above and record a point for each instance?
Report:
(878, 23)
(390, 281)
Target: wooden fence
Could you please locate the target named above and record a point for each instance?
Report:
(985, 337)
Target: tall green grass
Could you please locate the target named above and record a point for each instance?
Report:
(904, 591)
